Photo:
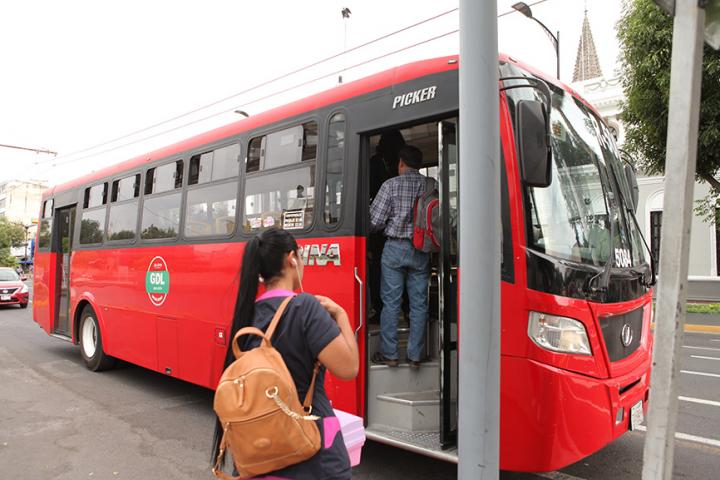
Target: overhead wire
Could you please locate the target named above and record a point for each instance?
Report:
(259, 99)
(54, 163)
(263, 84)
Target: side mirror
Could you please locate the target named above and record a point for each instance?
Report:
(533, 143)
(632, 182)
(23, 277)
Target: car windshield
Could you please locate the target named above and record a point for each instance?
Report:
(574, 217)
(8, 276)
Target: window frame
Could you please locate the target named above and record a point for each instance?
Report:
(181, 189)
(112, 203)
(332, 227)
(319, 156)
(125, 176)
(213, 148)
(163, 163)
(86, 195)
(239, 184)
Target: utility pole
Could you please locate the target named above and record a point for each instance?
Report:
(682, 140)
(36, 150)
(479, 224)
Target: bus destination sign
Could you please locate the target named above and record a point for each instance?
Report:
(157, 281)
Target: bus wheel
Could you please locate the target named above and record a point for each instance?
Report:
(91, 347)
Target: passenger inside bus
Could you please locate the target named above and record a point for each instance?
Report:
(383, 165)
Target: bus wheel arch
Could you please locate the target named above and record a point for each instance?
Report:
(89, 335)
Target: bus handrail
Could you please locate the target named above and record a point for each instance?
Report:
(361, 321)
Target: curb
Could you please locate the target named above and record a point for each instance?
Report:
(690, 327)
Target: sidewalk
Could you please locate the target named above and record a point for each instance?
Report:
(702, 323)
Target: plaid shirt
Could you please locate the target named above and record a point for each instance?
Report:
(392, 208)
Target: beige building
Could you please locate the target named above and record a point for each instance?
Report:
(20, 202)
(606, 95)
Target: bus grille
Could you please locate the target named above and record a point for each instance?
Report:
(618, 329)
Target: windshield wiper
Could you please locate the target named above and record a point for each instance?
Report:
(653, 275)
(604, 276)
(629, 211)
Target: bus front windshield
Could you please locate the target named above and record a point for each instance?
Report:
(587, 200)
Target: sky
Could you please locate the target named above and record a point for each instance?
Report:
(79, 73)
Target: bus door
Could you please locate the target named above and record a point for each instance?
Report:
(416, 405)
(64, 226)
(447, 280)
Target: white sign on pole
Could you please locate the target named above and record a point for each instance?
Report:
(712, 18)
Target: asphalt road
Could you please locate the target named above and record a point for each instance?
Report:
(61, 421)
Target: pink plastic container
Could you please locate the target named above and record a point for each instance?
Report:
(353, 434)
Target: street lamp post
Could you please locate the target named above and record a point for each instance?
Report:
(26, 227)
(524, 8)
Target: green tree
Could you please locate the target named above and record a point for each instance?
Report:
(11, 235)
(645, 34)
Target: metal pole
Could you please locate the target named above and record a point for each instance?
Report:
(557, 53)
(479, 185)
(682, 138)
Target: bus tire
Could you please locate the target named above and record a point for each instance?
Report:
(91, 347)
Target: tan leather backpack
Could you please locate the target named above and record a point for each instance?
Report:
(265, 427)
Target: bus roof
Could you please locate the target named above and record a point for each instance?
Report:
(387, 78)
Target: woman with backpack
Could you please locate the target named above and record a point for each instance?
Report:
(312, 330)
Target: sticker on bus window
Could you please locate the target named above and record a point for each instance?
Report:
(157, 281)
(255, 222)
(293, 220)
(268, 222)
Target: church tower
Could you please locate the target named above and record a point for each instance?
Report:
(587, 65)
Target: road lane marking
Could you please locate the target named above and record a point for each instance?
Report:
(702, 348)
(557, 476)
(702, 401)
(692, 438)
(705, 358)
(700, 373)
(697, 328)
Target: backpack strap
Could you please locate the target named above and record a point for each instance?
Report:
(256, 331)
(429, 185)
(276, 318)
(307, 404)
(217, 468)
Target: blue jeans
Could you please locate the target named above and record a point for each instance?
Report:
(403, 265)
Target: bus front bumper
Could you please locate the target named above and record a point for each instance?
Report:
(553, 417)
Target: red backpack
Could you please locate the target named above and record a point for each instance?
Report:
(427, 227)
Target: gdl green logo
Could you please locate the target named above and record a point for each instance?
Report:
(157, 281)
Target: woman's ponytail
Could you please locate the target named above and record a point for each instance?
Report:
(264, 257)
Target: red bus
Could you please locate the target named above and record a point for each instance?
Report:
(140, 261)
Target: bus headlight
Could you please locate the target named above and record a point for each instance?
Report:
(559, 334)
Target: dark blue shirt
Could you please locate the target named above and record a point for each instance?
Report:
(304, 330)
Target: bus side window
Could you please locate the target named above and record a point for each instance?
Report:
(92, 223)
(122, 219)
(280, 179)
(161, 204)
(95, 196)
(215, 165)
(164, 178)
(210, 210)
(46, 224)
(334, 168)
